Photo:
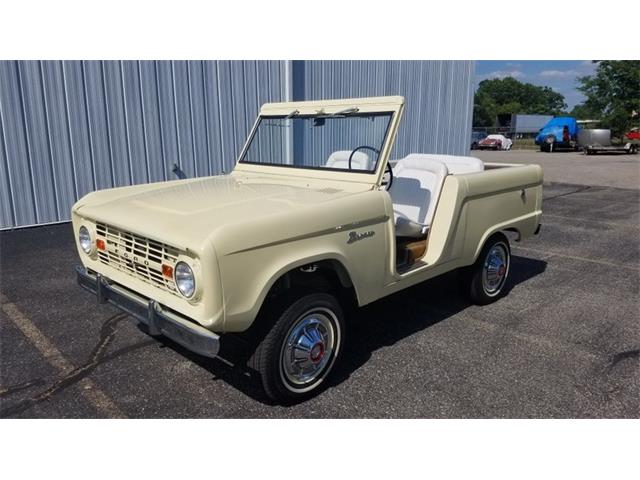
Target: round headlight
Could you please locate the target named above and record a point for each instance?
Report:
(85, 240)
(185, 281)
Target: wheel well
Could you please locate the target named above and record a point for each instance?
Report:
(497, 233)
(518, 236)
(324, 276)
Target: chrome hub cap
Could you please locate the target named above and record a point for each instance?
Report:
(317, 352)
(308, 347)
(496, 267)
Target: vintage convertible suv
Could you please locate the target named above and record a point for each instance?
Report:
(313, 219)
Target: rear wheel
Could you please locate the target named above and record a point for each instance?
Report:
(483, 282)
(299, 351)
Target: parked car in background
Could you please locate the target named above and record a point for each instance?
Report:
(476, 137)
(634, 134)
(495, 142)
(558, 133)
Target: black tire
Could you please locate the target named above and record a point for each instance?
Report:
(548, 144)
(271, 353)
(473, 282)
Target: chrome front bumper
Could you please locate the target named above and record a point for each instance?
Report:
(160, 321)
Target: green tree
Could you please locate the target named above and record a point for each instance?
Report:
(585, 112)
(613, 94)
(508, 95)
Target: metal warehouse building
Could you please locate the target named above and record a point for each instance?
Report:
(68, 128)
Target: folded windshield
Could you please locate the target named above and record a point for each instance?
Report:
(345, 140)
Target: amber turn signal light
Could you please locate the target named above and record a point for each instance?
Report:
(100, 244)
(167, 271)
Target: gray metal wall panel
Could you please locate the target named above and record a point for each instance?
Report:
(184, 126)
(439, 97)
(77, 116)
(152, 124)
(6, 203)
(168, 124)
(68, 128)
(38, 145)
(98, 119)
(64, 181)
(134, 122)
(198, 119)
(116, 123)
(17, 152)
(227, 114)
(213, 116)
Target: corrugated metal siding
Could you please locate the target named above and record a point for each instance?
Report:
(439, 97)
(68, 128)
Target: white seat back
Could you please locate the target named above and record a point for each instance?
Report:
(456, 165)
(340, 159)
(416, 186)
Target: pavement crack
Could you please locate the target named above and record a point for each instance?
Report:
(17, 387)
(578, 190)
(107, 334)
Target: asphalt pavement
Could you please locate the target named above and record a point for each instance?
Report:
(613, 170)
(564, 342)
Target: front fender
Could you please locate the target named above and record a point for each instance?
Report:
(241, 320)
(248, 276)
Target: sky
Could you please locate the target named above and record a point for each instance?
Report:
(558, 74)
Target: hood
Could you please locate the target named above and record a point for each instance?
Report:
(188, 213)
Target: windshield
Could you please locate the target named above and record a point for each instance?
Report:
(349, 141)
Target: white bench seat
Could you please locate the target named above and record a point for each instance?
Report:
(417, 181)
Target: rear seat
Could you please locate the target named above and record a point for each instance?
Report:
(457, 165)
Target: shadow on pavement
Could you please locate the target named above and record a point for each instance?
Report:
(380, 324)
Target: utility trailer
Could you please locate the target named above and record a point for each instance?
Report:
(595, 141)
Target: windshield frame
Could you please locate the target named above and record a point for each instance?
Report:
(380, 147)
(390, 104)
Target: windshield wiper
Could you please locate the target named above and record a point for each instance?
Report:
(322, 114)
(346, 111)
(340, 113)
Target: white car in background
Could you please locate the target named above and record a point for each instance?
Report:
(495, 142)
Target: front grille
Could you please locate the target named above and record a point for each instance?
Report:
(137, 256)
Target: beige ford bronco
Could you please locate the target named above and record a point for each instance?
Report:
(314, 218)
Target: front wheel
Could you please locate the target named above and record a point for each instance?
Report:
(548, 144)
(298, 353)
(483, 282)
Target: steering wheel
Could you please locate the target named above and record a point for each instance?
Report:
(361, 147)
(387, 170)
